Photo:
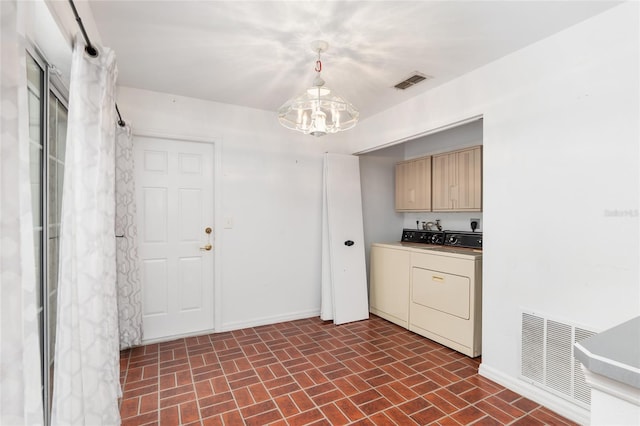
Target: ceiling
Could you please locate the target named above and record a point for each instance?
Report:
(257, 54)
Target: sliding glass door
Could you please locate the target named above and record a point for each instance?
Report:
(47, 137)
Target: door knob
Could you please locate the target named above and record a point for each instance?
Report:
(206, 247)
(348, 243)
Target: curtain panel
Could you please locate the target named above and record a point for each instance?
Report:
(86, 378)
(20, 379)
(129, 287)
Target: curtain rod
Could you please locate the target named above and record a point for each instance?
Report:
(91, 51)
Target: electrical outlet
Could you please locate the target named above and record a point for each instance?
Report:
(475, 222)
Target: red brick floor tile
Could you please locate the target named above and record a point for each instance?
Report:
(447, 421)
(504, 406)
(170, 416)
(143, 419)
(363, 422)
(549, 417)
(440, 403)
(460, 387)
(403, 390)
(168, 381)
(525, 404)
(428, 415)
(176, 391)
(380, 419)
(232, 418)
(305, 418)
(213, 421)
(398, 417)
(178, 399)
(203, 389)
(349, 409)
(527, 421)
(310, 372)
(487, 421)
(302, 401)
(375, 406)
(189, 412)
(391, 395)
(508, 395)
(140, 391)
(286, 405)
(495, 412)
(129, 407)
(148, 403)
(467, 415)
(263, 418)
(334, 415)
(474, 395)
(414, 405)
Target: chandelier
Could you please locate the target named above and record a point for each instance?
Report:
(318, 110)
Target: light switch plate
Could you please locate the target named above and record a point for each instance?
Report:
(228, 222)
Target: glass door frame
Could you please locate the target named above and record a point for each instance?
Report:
(56, 88)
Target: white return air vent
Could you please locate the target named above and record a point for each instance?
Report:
(416, 78)
(547, 357)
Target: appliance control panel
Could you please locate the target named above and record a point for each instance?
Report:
(446, 238)
(463, 239)
(420, 236)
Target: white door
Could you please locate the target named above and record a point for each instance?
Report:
(346, 292)
(174, 191)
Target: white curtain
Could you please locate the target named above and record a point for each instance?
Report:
(86, 378)
(20, 380)
(129, 288)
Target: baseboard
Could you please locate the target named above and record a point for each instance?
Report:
(534, 393)
(175, 337)
(256, 322)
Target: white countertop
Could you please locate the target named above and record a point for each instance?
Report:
(614, 353)
(459, 252)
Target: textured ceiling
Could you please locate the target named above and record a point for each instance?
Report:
(257, 54)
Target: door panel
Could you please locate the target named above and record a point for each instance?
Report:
(345, 238)
(174, 185)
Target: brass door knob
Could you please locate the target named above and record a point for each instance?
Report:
(206, 247)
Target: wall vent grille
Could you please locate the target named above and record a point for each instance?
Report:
(547, 357)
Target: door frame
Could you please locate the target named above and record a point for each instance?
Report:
(217, 216)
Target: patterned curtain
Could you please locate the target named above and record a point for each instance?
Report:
(129, 289)
(86, 378)
(20, 380)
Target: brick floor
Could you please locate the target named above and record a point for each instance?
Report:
(311, 372)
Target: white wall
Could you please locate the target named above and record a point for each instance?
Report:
(560, 154)
(271, 187)
(381, 222)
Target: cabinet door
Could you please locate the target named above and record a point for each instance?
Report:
(457, 181)
(422, 175)
(442, 182)
(389, 286)
(405, 186)
(469, 184)
(413, 185)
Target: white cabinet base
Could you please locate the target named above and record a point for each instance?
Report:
(612, 402)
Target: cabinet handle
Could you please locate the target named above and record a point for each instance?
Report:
(437, 278)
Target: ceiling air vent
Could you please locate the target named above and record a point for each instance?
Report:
(411, 81)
